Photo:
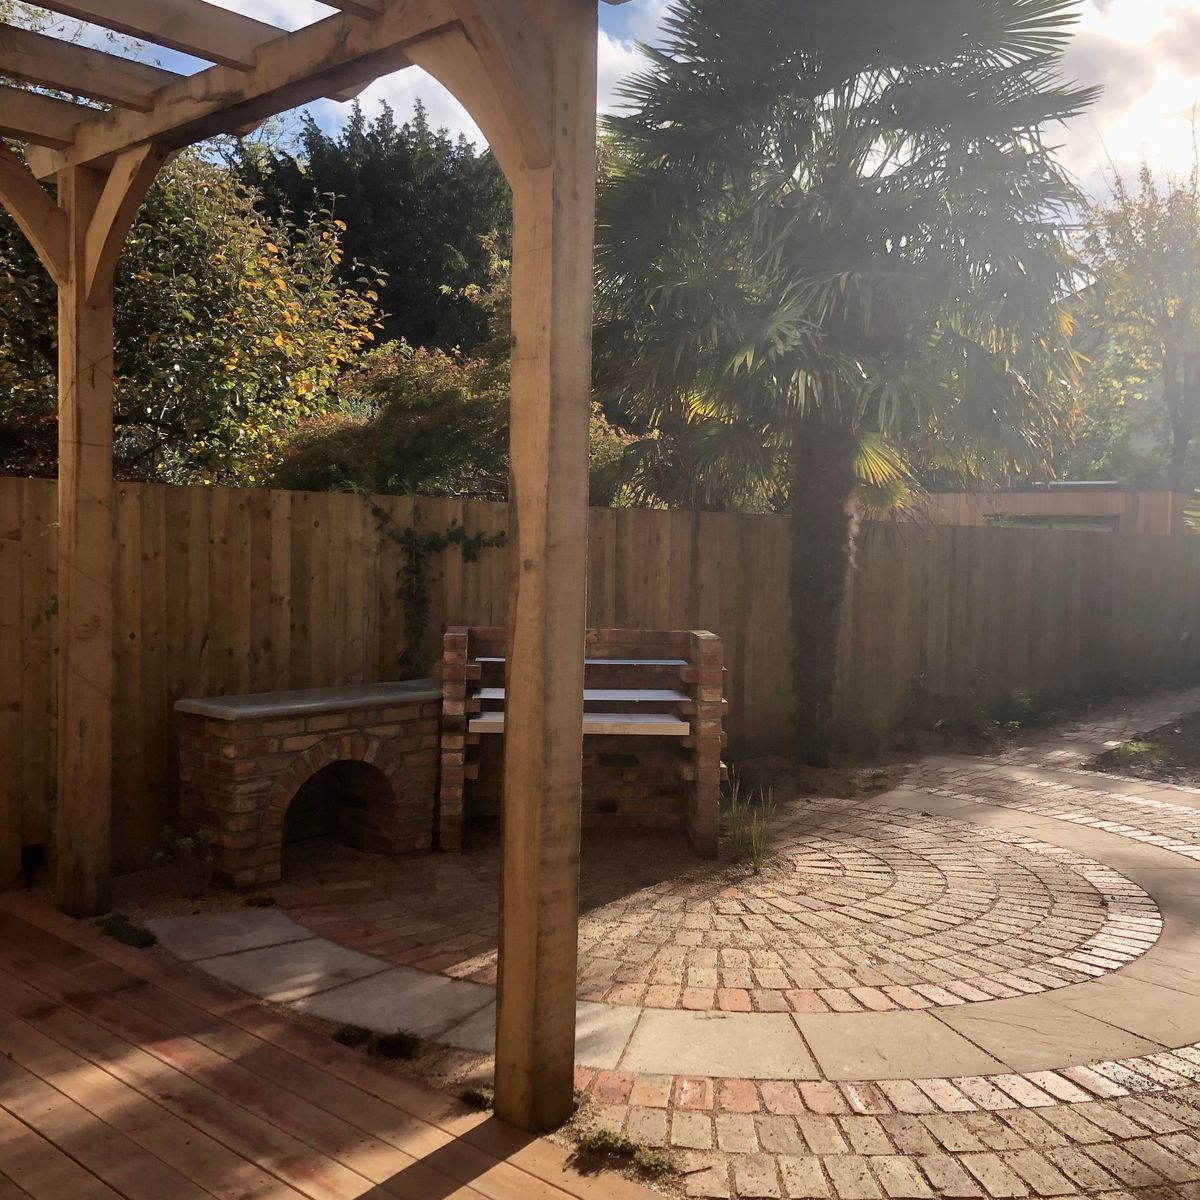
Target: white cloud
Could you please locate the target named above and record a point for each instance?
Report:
(1146, 54)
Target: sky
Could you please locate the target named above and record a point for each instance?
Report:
(1146, 53)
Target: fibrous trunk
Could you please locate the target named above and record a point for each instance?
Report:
(822, 488)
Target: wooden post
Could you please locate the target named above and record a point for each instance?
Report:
(85, 566)
(100, 207)
(553, 215)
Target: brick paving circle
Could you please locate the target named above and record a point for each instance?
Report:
(861, 907)
(866, 907)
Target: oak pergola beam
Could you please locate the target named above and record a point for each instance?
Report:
(193, 27)
(358, 8)
(41, 120)
(53, 63)
(328, 56)
(36, 214)
(124, 190)
(553, 218)
(517, 61)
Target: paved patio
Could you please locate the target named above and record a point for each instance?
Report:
(986, 983)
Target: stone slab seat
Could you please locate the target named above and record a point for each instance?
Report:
(614, 662)
(613, 724)
(611, 695)
(261, 706)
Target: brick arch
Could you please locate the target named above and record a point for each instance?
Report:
(240, 774)
(345, 747)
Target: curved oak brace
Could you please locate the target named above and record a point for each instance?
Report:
(452, 59)
(124, 190)
(36, 214)
(515, 53)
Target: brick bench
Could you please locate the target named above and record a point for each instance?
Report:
(242, 759)
(653, 731)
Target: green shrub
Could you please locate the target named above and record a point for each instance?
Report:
(400, 1044)
(353, 1036)
(482, 1096)
(653, 1162)
(608, 1143)
(119, 927)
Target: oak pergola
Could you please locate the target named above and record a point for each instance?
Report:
(526, 72)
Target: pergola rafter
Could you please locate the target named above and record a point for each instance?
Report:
(194, 27)
(526, 70)
(51, 62)
(39, 120)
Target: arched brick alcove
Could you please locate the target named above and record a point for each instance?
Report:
(243, 759)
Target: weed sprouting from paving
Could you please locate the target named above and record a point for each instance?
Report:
(749, 818)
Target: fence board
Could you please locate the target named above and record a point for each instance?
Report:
(220, 591)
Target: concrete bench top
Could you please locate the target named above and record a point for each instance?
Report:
(611, 695)
(617, 662)
(312, 701)
(597, 723)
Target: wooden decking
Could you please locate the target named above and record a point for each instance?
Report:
(124, 1075)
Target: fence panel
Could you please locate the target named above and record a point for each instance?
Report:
(222, 591)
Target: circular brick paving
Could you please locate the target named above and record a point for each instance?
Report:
(860, 907)
(866, 907)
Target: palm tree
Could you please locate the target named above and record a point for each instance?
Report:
(831, 220)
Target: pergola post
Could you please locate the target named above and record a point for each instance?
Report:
(85, 565)
(553, 216)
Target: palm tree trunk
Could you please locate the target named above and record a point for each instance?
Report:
(822, 486)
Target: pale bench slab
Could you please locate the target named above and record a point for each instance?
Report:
(312, 702)
(615, 662)
(612, 695)
(613, 724)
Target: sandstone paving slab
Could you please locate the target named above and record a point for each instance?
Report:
(1170, 1016)
(730, 1045)
(207, 935)
(601, 1032)
(890, 1045)
(1168, 967)
(1180, 881)
(477, 1032)
(401, 998)
(1114, 849)
(294, 970)
(1037, 1033)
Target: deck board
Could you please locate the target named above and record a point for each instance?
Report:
(129, 1071)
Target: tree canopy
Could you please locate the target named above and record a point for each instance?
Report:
(416, 203)
(433, 422)
(1141, 312)
(230, 328)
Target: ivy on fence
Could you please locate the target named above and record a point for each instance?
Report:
(419, 549)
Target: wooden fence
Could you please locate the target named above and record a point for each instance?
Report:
(224, 592)
(1114, 507)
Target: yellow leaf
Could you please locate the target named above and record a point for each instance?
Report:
(279, 340)
(280, 284)
(154, 338)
